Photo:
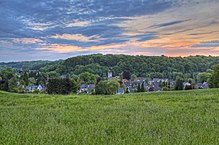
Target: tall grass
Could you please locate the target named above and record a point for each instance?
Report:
(190, 117)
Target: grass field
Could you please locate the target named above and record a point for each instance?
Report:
(190, 117)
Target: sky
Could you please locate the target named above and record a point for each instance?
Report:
(59, 29)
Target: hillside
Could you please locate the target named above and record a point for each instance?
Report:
(145, 66)
(141, 66)
(187, 117)
(25, 64)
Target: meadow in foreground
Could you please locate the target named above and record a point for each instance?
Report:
(187, 117)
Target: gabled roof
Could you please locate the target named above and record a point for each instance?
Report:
(156, 85)
(187, 84)
(91, 86)
(83, 86)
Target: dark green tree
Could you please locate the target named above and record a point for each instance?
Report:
(214, 79)
(139, 88)
(203, 77)
(13, 85)
(179, 84)
(25, 78)
(60, 86)
(126, 75)
(4, 85)
(142, 87)
(87, 78)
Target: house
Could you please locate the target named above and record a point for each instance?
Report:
(33, 88)
(205, 85)
(202, 85)
(154, 86)
(87, 88)
(146, 87)
(91, 87)
(199, 86)
(83, 88)
(140, 79)
(121, 91)
(187, 86)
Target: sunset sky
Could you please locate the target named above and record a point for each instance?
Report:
(58, 29)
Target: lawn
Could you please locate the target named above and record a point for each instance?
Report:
(184, 117)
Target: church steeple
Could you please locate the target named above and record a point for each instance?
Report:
(110, 74)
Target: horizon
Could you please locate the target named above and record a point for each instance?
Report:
(55, 30)
(107, 54)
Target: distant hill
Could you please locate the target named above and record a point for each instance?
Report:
(146, 66)
(25, 64)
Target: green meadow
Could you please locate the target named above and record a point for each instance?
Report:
(163, 118)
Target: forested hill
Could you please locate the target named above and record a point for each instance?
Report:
(145, 66)
(35, 65)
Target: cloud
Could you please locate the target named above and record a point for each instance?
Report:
(77, 37)
(170, 23)
(74, 27)
(70, 48)
(213, 43)
(77, 24)
(27, 40)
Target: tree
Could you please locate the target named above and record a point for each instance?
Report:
(60, 86)
(25, 78)
(32, 81)
(75, 86)
(203, 77)
(142, 87)
(126, 75)
(13, 85)
(133, 77)
(139, 88)
(179, 84)
(4, 85)
(107, 87)
(214, 79)
(7, 74)
(68, 85)
(53, 74)
(87, 78)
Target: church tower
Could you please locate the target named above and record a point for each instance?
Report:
(110, 74)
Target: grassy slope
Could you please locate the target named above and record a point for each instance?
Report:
(190, 117)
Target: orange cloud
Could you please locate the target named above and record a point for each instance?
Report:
(70, 48)
(168, 43)
(60, 48)
(77, 37)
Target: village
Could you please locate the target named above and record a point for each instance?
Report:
(137, 84)
(141, 84)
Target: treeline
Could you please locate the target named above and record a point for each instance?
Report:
(27, 65)
(144, 66)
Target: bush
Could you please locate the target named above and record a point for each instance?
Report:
(214, 79)
(60, 86)
(107, 87)
(166, 89)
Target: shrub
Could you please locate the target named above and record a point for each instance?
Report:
(107, 87)
(60, 86)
